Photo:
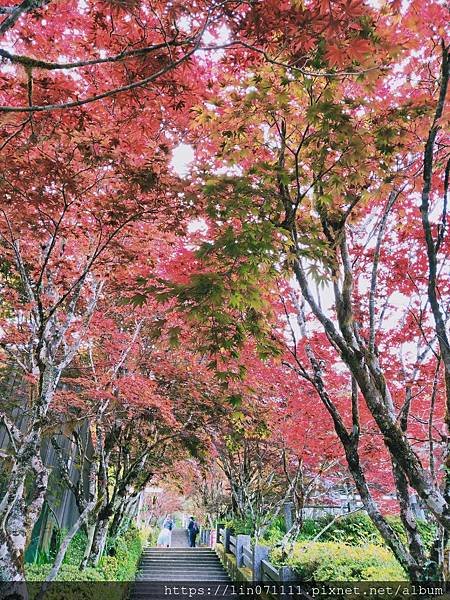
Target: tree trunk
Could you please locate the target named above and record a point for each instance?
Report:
(366, 370)
(91, 526)
(412, 568)
(350, 442)
(16, 518)
(99, 541)
(63, 549)
(12, 542)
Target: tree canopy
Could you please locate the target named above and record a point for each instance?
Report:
(274, 316)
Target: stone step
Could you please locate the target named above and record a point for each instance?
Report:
(169, 561)
(191, 555)
(192, 572)
(186, 568)
(182, 576)
(163, 565)
(180, 559)
(168, 566)
(191, 559)
(189, 572)
(179, 564)
(176, 551)
(177, 555)
(181, 568)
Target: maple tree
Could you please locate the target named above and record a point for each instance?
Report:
(314, 156)
(304, 259)
(125, 382)
(71, 202)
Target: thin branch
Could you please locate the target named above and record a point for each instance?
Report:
(108, 94)
(333, 521)
(118, 90)
(14, 433)
(17, 11)
(376, 259)
(430, 420)
(36, 63)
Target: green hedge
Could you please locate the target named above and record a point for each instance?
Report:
(355, 529)
(127, 551)
(244, 526)
(358, 529)
(272, 534)
(121, 566)
(334, 561)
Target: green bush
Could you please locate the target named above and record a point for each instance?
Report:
(122, 565)
(244, 526)
(332, 561)
(353, 529)
(66, 573)
(274, 532)
(75, 551)
(358, 529)
(150, 535)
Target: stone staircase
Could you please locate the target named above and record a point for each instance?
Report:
(161, 567)
(167, 565)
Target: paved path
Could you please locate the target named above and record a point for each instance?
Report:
(180, 538)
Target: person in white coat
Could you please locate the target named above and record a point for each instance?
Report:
(165, 535)
(164, 538)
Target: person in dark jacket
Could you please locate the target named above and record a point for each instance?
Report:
(193, 530)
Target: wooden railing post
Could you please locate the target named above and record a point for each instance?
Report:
(202, 535)
(226, 542)
(219, 526)
(260, 553)
(242, 541)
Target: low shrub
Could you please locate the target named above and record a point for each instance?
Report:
(244, 526)
(119, 568)
(75, 551)
(122, 565)
(353, 529)
(358, 529)
(336, 561)
(150, 535)
(66, 573)
(274, 532)
(271, 535)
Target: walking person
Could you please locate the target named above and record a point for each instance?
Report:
(193, 530)
(169, 524)
(165, 535)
